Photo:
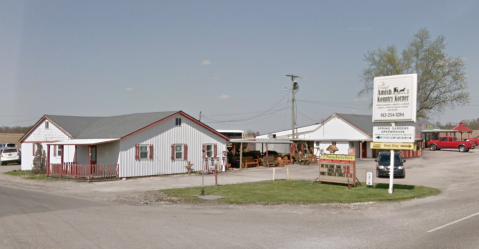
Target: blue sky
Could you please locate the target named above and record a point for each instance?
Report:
(227, 59)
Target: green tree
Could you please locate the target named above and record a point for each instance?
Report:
(39, 161)
(441, 78)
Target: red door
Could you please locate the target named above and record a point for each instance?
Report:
(364, 150)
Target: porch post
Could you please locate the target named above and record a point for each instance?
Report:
(75, 156)
(361, 150)
(62, 154)
(89, 161)
(241, 155)
(48, 159)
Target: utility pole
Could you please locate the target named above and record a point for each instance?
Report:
(200, 117)
(294, 86)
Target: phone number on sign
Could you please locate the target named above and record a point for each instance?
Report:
(391, 115)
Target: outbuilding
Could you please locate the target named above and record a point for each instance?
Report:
(140, 144)
(350, 133)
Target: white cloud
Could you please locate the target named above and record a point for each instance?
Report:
(205, 62)
(224, 96)
(129, 89)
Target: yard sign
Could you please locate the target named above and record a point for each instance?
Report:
(395, 98)
(337, 169)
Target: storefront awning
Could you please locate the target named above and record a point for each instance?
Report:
(85, 141)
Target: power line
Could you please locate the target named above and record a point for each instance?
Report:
(249, 118)
(245, 119)
(327, 104)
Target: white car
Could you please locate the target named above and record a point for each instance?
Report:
(9, 155)
(7, 145)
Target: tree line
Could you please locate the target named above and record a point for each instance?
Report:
(14, 129)
(472, 124)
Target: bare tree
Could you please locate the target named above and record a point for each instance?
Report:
(441, 78)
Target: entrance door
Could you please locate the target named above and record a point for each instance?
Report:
(93, 159)
(93, 155)
(364, 150)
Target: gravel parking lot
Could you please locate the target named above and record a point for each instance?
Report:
(438, 169)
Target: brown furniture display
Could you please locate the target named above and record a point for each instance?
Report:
(268, 161)
(249, 161)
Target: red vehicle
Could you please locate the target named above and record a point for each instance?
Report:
(449, 143)
(473, 139)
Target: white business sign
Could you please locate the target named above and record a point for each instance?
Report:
(395, 98)
(394, 134)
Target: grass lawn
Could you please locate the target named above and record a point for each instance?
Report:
(27, 174)
(275, 192)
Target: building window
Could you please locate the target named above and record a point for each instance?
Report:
(209, 150)
(317, 144)
(351, 144)
(334, 143)
(178, 151)
(143, 151)
(59, 150)
(47, 124)
(178, 121)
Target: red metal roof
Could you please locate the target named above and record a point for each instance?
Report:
(461, 127)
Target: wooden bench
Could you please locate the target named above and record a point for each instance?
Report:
(249, 161)
(268, 161)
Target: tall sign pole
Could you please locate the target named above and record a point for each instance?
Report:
(394, 100)
(293, 87)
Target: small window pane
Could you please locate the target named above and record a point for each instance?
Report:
(179, 155)
(143, 152)
(209, 150)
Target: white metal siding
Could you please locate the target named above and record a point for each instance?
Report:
(42, 135)
(108, 153)
(27, 156)
(50, 134)
(162, 136)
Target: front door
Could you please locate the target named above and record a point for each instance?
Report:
(93, 155)
(364, 150)
(93, 158)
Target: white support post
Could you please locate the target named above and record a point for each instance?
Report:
(391, 169)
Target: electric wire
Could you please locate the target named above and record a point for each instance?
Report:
(248, 118)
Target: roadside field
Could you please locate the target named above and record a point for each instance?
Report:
(10, 138)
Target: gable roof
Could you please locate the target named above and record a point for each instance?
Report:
(363, 122)
(114, 127)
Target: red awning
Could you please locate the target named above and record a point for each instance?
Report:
(462, 128)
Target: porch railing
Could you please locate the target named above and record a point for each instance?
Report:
(83, 170)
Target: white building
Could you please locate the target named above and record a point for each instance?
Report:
(346, 131)
(141, 144)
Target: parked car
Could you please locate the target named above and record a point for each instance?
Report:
(451, 143)
(7, 145)
(9, 154)
(384, 161)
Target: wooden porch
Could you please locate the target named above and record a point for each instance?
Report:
(87, 171)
